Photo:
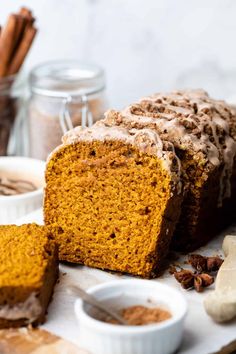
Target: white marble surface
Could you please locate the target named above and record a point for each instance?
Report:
(145, 46)
(201, 335)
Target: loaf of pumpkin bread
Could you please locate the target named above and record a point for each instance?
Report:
(203, 132)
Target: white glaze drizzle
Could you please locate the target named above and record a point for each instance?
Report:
(30, 310)
(167, 113)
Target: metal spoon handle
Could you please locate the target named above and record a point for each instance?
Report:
(94, 302)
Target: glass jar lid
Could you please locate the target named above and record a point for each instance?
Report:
(66, 78)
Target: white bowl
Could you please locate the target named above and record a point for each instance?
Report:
(14, 207)
(160, 338)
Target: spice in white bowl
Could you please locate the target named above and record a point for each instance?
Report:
(11, 185)
(21, 187)
(64, 94)
(139, 315)
(156, 338)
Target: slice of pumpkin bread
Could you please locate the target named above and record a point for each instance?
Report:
(28, 272)
(113, 198)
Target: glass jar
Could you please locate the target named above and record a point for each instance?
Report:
(9, 108)
(64, 94)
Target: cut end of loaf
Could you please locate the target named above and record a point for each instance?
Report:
(110, 205)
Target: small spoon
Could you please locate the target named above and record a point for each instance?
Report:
(91, 300)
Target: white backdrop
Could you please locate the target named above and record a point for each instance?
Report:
(144, 45)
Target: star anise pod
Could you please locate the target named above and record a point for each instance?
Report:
(198, 286)
(185, 278)
(188, 279)
(214, 263)
(198, 262)
(205, 264)
(202, 281)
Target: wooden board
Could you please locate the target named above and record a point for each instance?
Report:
(35, 341)
(228, 349)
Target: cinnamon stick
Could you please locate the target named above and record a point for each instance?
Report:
(15, 41)
(26, 13)
(7, 43)
(22, 50)
(21, 23)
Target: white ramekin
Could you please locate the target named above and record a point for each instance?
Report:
(104, 338)
(14, 207)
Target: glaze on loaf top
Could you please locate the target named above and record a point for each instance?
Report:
(192, 121)
(189, 118)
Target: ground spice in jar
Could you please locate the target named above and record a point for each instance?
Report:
(44, 119)
(141, 315)
(64, 94)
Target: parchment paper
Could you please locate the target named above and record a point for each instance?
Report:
(201, 336)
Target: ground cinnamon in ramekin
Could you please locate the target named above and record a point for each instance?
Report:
(140, 315)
